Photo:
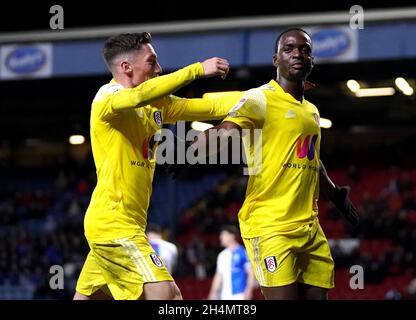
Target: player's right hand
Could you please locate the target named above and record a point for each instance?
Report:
(216, 67)
(342, 202)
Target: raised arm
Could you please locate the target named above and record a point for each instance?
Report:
(247, 113)
(158, 87)
(184, 109)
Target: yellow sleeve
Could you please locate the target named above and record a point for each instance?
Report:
(250, 111)
(198, 109)
(120, 98)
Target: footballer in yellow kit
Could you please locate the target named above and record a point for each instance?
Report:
(123, 123)
(279, 215)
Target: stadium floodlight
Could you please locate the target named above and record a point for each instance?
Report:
(353, 85)
(325, 123)
(375, 92)
(76, 139)
(404, 86)
(200, 126)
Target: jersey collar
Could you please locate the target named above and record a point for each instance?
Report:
(288, 96)
(114, 81)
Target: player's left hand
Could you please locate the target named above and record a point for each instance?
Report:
(343, 203)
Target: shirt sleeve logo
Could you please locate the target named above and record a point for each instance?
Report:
(316, 117)
(156, 260)
(157, 116)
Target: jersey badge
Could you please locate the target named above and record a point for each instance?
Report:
(271, 263)
(156, 260)
(157, 116)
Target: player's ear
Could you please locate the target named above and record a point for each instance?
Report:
(275, 59)
(126, 66)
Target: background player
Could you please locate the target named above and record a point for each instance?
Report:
(164, 249)
(234, 278)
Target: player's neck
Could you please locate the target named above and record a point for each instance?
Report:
(233, 245)
(126, 82)
(295, 89)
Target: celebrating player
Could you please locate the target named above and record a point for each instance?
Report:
(125, 115)
(279, 223)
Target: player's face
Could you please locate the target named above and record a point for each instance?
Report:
(145, 65)
(294, 56)
(226, 238)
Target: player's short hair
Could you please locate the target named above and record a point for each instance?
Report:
(231, 229)
(124, 43)
(276, 45)
(152, 227)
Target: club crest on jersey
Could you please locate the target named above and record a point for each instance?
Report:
(158, 118)
(156, 260)
(315, 116)
(271, 263)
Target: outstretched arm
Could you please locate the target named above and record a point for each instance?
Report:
(198, 109)
(158, 87)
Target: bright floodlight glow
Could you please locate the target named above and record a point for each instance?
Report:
(404, 86)
(200, 126)
(76, 139)
(353, 85)
(325, 123)
(375, 92)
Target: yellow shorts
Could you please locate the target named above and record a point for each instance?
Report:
(120, 268)
(302, 255)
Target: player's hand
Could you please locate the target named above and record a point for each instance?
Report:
(216, 67)
(343, 203)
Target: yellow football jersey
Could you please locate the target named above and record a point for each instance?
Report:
(122, 125)
(282, 191)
